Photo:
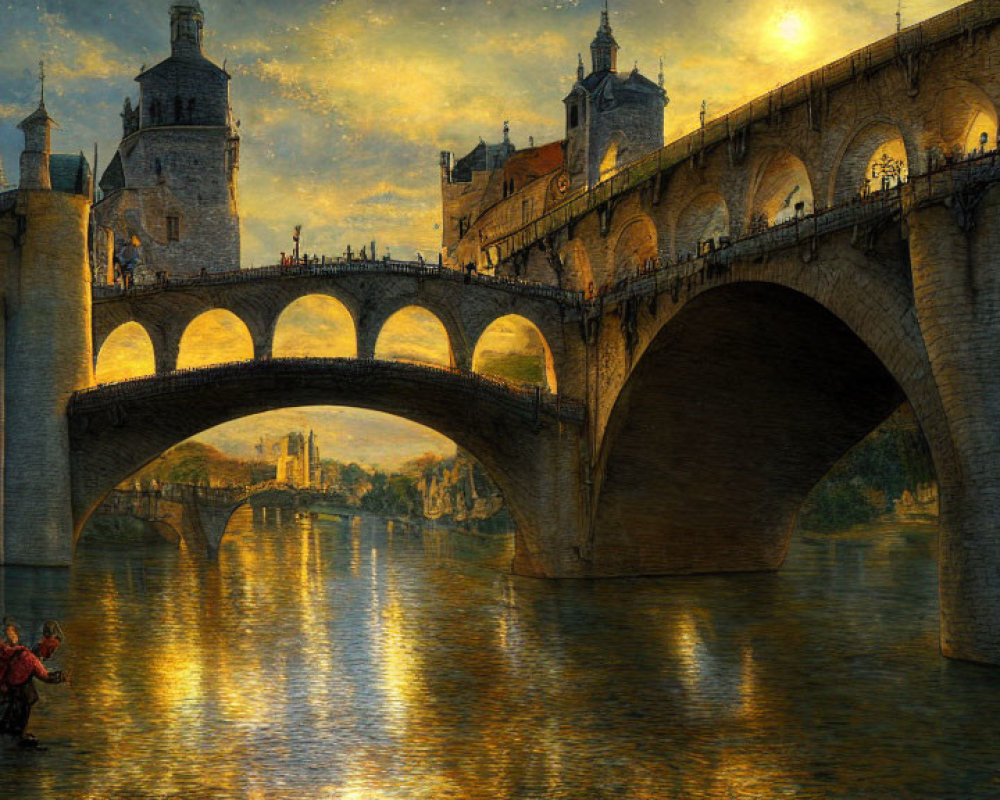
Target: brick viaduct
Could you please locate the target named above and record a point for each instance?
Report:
(699, 402)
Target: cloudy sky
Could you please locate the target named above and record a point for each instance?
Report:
(345, 104)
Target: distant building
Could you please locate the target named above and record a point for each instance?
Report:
(170, 188)
(297, 461)
(611, 120)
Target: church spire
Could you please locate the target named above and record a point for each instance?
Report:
(604, 48)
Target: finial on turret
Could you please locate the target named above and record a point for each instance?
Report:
(660, 76)
(704, 109)
(579, 66)
(41, 80)
(506, 132)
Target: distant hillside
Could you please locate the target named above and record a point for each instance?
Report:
(196, 463)
(516, 367)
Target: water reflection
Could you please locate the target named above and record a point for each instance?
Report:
(355, 658)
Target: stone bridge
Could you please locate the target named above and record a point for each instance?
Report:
(199, 515)
(529, 441)
(371, 291)
(726, 318)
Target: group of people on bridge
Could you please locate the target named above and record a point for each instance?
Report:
(20, 666)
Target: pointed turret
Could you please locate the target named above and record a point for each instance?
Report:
(604, 48)
(37, 128)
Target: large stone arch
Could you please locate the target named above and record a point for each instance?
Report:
(634, 245)
(321, 299)
(113, 434)
(136, 339)
(550, 377)
(780, 182)
(852, 166)
(742, 401)
(704, 216)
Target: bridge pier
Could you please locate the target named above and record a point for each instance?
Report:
(955, 261)
(48, 357)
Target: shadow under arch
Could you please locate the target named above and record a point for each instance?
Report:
(315, 325)
(213, 337)
(737, 409)
(781, 187)
(513, 335)
(126, 353)
(705, 216)
(635, 245)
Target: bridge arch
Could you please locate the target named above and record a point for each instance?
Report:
(214, 337)
(864, 149)
(127, 352)
(780, 188)
(634, 245)
(965, 113)
(415, 334)
(706, 216)
(742, 401)
(514, 349)
(315, 325)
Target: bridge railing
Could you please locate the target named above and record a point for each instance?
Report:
(335, 268)
(961, 20)
(523, 398)
(929, 187)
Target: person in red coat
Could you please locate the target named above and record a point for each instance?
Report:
(19, 668)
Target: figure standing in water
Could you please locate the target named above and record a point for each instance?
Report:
(19, 667)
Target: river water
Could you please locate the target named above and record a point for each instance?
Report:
(348, 658)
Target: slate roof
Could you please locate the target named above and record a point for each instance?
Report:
(69, 174)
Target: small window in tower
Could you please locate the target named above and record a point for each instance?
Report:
(178, 108)
(574, 116)
(191, 110)
(173, 229)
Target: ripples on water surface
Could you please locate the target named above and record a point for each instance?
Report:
(339, 659)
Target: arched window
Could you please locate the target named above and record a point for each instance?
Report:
(178, 108)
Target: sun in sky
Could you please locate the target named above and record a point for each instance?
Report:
(790, 31)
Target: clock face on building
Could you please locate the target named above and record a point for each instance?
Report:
(562, 183)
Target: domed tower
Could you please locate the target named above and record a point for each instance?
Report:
(172, 182)
(611, 119)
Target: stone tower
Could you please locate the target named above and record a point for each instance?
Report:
(172, 182)
(37, 128)
(45, 344)
(611, 119)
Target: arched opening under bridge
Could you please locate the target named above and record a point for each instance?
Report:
(126, 353)
(317, 326)
(513, 349)
(416, 335)
(214, 337)
(740, 405)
